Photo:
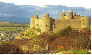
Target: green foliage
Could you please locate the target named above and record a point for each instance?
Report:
(7, 24)
(72, 39)
(47, 37)
(13, 29)
(4, 36)
(59, 50)
(30, 32)
(39, 30)
(7, 48)
(77, 51)
(52, 33)
(64, 31)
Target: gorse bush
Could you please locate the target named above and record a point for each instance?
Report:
(64, 31)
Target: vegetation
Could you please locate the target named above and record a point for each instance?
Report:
(7, 48)
(8, 30)
(7, 24)
(67, 41)
(76, 51)
(39, 30)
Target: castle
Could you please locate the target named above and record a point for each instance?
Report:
(47, 24)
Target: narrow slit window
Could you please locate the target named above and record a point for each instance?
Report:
(83, 23)
(46, 25)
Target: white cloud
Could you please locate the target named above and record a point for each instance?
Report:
(41, 3)
(6, 14)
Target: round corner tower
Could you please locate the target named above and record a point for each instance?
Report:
(70, 14)
(62, 15)
(32, 21)
(85, 22)
(46, 23)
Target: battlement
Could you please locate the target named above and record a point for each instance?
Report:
(46, 15)
(47, 24)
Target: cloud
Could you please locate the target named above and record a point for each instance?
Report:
(26, 11)
(6, 14)
(41, 3)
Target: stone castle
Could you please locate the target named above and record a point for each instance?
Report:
(47, 24)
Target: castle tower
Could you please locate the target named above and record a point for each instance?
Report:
(46, 23)
(75, 14)
(85, 22)
(32, 22)
(70, 14)
(36, 16)
(32, 19)
(62, 14)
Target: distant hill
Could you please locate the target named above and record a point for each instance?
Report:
(10, 24)
(10, 12)
(15, 19)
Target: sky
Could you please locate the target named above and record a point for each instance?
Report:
(22, 10)
(69, 3)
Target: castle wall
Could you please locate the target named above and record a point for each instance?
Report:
(77, 17)
(60, 24)
(47, 24)
(38, 23)
(85, 22)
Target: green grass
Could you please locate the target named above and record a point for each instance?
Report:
(10, 29)
(59, 50)
(4, 36)
(39, 30)
(7, 24)
(76, 51)
(13, 27)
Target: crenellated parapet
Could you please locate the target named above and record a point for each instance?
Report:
(47, 24)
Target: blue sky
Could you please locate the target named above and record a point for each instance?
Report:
(41, 3)
(13, 10)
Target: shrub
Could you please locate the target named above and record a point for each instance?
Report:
(64, 31)
(59, 50)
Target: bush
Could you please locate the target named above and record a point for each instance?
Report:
(39, 30)
(7, 48)
(59, 50)
(64, 31)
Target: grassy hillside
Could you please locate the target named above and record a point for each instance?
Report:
(8, 29)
